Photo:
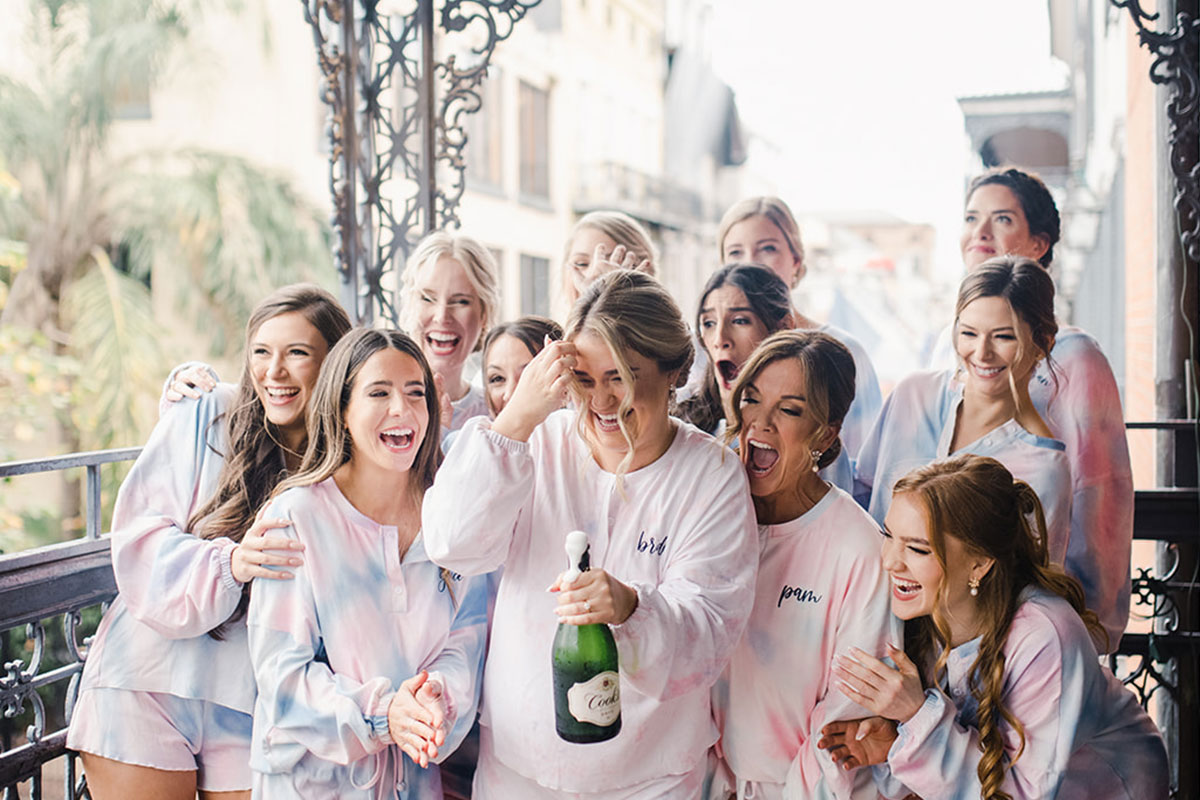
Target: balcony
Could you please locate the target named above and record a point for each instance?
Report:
(51, 600)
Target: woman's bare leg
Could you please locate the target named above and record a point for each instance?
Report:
(225, 795)
(114, 780)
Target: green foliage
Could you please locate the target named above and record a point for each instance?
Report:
(116, 341)
(36, 384)
(216, 229)
(234, 232)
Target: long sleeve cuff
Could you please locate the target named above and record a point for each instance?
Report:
(503, 442)
(921, 724)
(377, 715)
(226, 561)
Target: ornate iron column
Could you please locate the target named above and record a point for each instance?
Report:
(1175, 640)
(395, 129)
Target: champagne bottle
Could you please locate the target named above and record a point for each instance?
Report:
(587, 687)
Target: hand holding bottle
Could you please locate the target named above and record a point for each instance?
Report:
(593, 597)
(417, 717)
(587, 686)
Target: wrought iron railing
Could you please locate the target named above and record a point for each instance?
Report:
(1161, 665)
(45, 594)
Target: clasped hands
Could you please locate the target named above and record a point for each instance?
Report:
(416, 718)
(894, 694)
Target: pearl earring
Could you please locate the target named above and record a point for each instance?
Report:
(974, 584)
(816, 457)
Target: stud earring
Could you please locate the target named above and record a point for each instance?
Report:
(816, 457)
(974, 584)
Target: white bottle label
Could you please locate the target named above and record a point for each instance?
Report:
(596, 701)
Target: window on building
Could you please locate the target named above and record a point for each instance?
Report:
(535, 142)
(535, 285)
(484, 152)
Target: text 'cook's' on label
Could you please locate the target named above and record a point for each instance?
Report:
(596, 701)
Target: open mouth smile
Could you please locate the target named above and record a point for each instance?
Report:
(904, 590)
(398, 440)
(762, 458)
(281, 395)
(441, 343)
(727, 372)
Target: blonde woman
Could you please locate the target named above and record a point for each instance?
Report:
(448, 299)
(673, 547)
(600, 242)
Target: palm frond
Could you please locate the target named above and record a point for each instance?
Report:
(116, 341)
(237, 230)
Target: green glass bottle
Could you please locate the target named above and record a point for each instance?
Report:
(587, 686)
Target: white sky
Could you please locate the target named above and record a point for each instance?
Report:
(859, 98)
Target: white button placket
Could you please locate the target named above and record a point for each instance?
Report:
(391, 543)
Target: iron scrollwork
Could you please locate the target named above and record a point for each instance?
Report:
(497, 20)
(17, 684)
(1177, 65)
(1153, 591)
(396, 126)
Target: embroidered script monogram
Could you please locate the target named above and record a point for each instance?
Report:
(649, 545)
(799, 594)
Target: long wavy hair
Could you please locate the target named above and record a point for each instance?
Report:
(978, 502)
(631, 311)
(329, 441)
(767, 296)
(255, 461)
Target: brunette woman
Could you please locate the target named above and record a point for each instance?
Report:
(821, 587)
(741, 305)
(167, 690)
(999, 692)
(367, 663)
(507, 351)
(762, 230)
(1011, 212)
